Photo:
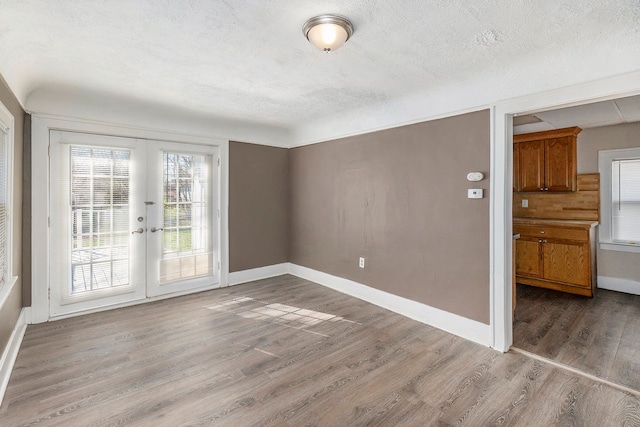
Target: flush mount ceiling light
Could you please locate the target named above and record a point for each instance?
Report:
(328, 32)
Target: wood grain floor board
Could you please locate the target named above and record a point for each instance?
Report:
(176, 362)
(603, 339)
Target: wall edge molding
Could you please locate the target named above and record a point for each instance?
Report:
(627, 286)
(244, 276)
(10, 353)
(449, 322)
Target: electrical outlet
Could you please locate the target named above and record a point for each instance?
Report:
(361, 263)
(525, 203)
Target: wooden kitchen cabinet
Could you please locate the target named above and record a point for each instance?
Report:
(546, 161)
(556, 254)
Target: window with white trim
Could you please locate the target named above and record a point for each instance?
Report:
(6, 170)
(620, 199)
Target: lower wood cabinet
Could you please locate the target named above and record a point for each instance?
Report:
(556, 254)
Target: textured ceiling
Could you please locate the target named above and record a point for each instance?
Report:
(597, 114)
(248, 61)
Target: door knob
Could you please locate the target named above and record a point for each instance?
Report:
(154, 229)
(139, 230)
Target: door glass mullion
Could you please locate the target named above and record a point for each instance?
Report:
(186, 251)
(93, 210)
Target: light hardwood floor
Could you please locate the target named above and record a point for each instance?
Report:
(286, 352)
(599, 335)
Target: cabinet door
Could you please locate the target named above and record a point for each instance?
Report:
(567, 262)
(516, 167)
(560, 164)
(531, 165)
(529, 257)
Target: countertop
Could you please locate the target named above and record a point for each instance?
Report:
(560, 222)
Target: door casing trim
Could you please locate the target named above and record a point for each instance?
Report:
(40, 181)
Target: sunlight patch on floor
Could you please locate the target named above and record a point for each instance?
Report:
(291, 316)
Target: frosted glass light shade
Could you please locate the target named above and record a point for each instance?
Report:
(328, 32)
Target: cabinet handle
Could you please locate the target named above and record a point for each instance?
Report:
(539, 240)
(546, 189)
(544, 241)
(541, 189)
(542, 232)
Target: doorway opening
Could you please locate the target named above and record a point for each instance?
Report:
(577, 298)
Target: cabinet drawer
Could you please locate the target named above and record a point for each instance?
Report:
(550, 232)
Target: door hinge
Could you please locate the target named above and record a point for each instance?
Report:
(48, 221)
(49, 150)
(49, 293)
(218, 161)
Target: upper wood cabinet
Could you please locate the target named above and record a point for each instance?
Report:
(546, 161)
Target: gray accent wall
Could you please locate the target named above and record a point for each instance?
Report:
(10, 310)
(616, 264)
(258, 206)
(398, 197)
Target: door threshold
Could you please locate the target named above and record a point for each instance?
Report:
(576, 371)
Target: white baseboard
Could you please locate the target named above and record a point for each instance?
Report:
(620, 285)
(463, 327)
(11, 352)
(244, 276)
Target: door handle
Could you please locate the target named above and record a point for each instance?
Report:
(139, 230)
(154, 229)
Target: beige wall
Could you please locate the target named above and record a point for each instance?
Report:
(622, 265)
(258, 206)
(399, 198)
(11, 309)
(590, 141)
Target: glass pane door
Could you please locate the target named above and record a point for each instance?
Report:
(183, 234)
(130, 219)
(96, 199)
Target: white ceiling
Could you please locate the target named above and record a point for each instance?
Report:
(247, 61)
(597, 114)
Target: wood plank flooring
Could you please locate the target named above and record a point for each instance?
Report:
(286, 352)
(599, 335)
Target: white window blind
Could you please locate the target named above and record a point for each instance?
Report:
(625, 201)
(4, 208)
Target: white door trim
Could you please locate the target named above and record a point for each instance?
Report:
(502, 176)
(41, 127)
(155, 217)
(62, 300)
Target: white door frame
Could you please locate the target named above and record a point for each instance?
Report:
(40, 256)
(62, 300)
(502, 186)
(155, 216)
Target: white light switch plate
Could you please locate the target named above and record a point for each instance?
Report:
(525, 203)
(475, 193)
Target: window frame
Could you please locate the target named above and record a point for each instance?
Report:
(605, 159)
(6, 283)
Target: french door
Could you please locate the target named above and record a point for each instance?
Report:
(130, 219)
